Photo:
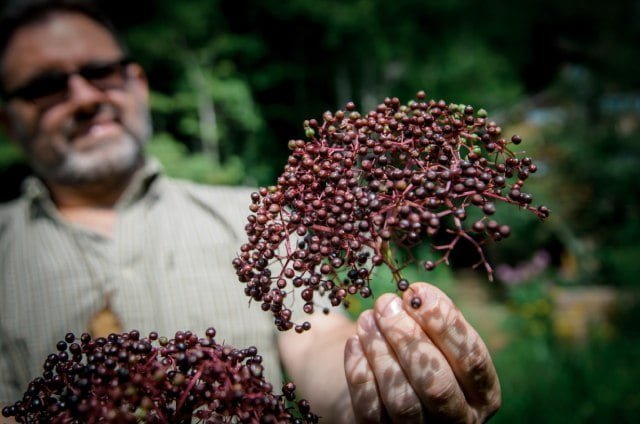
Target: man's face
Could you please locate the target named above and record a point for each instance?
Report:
(95, 129)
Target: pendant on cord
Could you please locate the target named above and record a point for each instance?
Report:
(105, 321)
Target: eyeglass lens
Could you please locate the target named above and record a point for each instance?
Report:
(52, 87)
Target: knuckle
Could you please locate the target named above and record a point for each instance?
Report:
(449, 323)
(452, 316)
(409, 414)
(370, 415)
(495, 402)
(406, 411)
(489, 409)
(442, 392)
(476, 361)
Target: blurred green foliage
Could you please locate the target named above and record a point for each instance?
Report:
(543, 382)
(599, 198)
(9, 153)
(179, 163)
(546, 379)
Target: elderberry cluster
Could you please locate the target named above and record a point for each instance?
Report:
(128, 379)
(362, 186)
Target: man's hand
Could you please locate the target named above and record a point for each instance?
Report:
(402, 364)
(419, 364)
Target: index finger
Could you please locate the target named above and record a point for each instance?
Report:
(461, 345)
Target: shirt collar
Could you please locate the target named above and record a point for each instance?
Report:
(141, 184)
(34, 189)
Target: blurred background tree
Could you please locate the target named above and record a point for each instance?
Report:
(233, 80)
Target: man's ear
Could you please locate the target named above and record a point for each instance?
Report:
(136, 72)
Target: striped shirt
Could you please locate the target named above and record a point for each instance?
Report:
(166, 268)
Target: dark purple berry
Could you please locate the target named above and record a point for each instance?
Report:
(403, 285)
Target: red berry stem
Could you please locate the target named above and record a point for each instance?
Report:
(388, 258)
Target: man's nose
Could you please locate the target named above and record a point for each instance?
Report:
(82, 92)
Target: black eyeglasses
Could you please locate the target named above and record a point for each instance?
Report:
(52, 87)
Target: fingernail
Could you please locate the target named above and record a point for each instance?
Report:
(367, 322)
(392, 308)
(425, 298)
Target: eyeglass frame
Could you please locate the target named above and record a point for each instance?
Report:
(56, 95)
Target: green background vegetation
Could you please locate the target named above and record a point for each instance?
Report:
(233, 81)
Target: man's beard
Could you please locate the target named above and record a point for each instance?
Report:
(106, 161)
(110, 160)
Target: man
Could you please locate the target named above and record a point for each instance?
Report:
(101, 232)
